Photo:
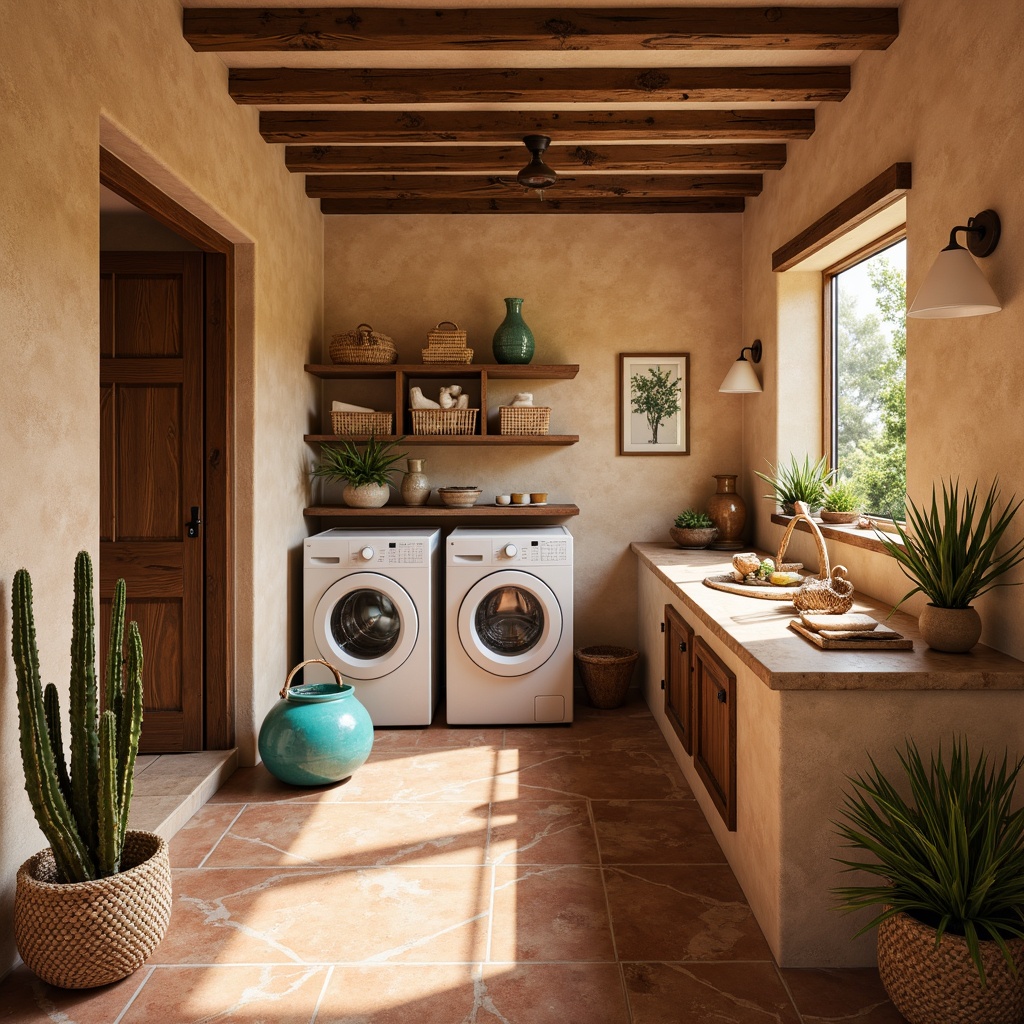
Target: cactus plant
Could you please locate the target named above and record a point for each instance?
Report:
(84, 813)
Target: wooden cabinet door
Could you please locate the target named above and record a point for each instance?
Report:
(714, 728)
(151, 476)
(678, 676)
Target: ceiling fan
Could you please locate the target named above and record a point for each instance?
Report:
(536, 175)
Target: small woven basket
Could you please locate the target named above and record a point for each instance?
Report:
(932, 984)
(85, 934)
(525, 419)
(606, 673)
(376, 423)
(363, 345)
(446, 343)
(444, 421)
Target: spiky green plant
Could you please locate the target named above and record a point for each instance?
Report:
(691, 519)
(950, 553)
(952, 856)
(841, 496)
(798, 482)
(84, 813)
(374, 464)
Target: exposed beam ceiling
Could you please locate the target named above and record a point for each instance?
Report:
(422, 110)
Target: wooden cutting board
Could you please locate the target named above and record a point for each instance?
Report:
(827, 643)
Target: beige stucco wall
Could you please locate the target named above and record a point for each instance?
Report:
(945, 96)
(593, 287)
(67, 72)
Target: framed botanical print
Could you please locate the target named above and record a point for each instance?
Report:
(654, 403)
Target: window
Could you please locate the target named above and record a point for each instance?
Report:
(866, 352)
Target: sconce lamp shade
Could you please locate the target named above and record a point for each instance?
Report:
(955, 285)
(741, 379)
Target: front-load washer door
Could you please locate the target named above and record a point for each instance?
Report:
(366, 624)
(510, 623)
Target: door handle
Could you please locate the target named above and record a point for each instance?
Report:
(722, 696)
(192, 526)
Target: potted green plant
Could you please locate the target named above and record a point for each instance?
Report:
(798, 481)
(367, 470)
(949, 554)
(92, 907)
(693, 529)
(841, 505)
(948, 884)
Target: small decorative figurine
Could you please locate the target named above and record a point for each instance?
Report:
(417, 400)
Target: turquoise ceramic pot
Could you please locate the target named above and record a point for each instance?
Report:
(316, 734)
(513, 340)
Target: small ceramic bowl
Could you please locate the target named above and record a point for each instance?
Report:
(458, 497)
(539, 498)
(520, 499)
(502, 499)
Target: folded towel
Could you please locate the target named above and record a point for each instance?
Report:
(345, 407)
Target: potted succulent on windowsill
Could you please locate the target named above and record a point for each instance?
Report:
(367, 471)
(841, 505)
(693, 529)
(798, 482)
(948, 869)
(93, 906)
(949, 554)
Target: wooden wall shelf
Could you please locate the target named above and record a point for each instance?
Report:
(496, 371)
(443, 512)
(487, 440)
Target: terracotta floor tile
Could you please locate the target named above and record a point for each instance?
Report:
(541, 832)
(308, 915)
(550, 913)
(198, 836)
(841, 996)
(354, 835)
(682, 913)
(654, 832)
(440, 735)
(228, 995)
(542, 737)
(249, 785)
(24, 999)
(722, 993)
(396, 739)
(605, 774)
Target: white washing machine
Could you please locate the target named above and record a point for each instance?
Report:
(369, 600)
(508, 625)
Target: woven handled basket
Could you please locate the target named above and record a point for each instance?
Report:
(446, 343)
(363, 345)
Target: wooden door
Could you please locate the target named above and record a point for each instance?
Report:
(678, 685)
(714, 729)
(151, 476)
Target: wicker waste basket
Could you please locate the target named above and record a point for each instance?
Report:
(606, 673)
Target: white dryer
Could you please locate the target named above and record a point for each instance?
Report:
(369, 600)
(509, 625)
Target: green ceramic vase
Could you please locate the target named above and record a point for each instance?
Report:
(318, 733)
(513, 340)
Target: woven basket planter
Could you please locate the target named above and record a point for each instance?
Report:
(444, 421)
(363, 345)
(932, 984)
(525, 419)
(84, 934)
(376, 423)
(606, 673)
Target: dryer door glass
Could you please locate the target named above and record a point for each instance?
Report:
(366, 624)
(510, 620)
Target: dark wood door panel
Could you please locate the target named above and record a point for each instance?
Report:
(106, 314)
(678, 676)
(714, 752)
(108, 444)
(148, 316)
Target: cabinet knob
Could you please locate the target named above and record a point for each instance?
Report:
(722, 696)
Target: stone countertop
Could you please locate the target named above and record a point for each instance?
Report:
(757, 632)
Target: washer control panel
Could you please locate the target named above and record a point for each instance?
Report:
(542, 551)
(387, 553)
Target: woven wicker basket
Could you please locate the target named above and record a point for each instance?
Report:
(447, 354)
(84, 934)
(525, 419)
(932, 984)
(606, 673)
(444, 421)
(363, 345)
(376, 423)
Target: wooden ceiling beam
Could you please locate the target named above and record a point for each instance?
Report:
(455, 186)
(538, 85)
(504, 126)
(472, 30)
(529, 203)
(508, 159)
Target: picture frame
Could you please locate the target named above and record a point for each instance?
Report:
(654, 381)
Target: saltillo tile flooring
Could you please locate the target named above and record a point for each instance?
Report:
(464, 876)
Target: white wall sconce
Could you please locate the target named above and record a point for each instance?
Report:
(741, 379)
(955, 286)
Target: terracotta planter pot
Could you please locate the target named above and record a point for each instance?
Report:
(693, 537)
(932, 984)
(84, 934)
(955, 630)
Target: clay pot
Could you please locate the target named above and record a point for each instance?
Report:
(728, 511)
(955, 630)
(693, 536)
(366, 495)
